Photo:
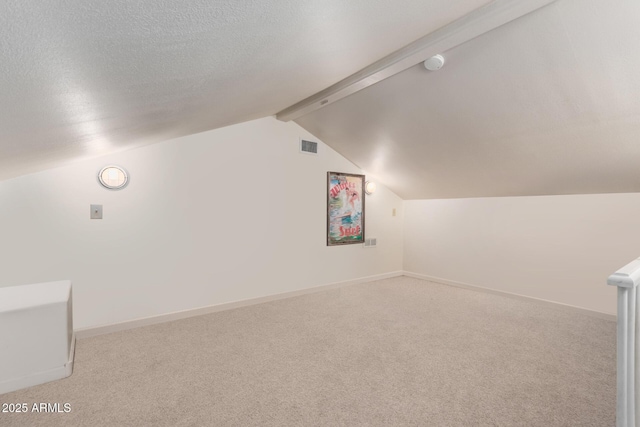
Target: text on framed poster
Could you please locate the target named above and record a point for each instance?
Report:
(345, 208)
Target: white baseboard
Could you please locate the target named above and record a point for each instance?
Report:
(136, 323)
(567, 307)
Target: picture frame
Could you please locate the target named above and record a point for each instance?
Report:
(345, 208)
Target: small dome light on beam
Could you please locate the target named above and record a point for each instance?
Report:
(434, 63)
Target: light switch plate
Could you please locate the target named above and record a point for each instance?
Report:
(371, 242)
(96, 211)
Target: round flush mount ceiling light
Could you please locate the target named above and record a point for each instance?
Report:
(369, 187)
(113, 177)
(434, 63)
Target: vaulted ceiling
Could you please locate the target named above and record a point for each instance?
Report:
(81, 78)
(546, 104)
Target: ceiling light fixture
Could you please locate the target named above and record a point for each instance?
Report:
(434, 63)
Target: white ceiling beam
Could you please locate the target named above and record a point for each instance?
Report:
(470, 26)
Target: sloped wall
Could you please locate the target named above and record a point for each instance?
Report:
(226, 215)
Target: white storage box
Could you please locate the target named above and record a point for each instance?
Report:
(36, 334)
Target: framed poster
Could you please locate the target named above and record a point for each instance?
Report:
(345, 208)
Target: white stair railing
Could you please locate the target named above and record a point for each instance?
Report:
(628, 394)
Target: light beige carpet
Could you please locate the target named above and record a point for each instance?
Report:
(394, 352)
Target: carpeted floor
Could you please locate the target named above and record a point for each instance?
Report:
(395, 352)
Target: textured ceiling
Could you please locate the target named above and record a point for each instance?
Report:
(84, 78)
(547, 104)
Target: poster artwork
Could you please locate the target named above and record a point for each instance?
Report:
(345, 208)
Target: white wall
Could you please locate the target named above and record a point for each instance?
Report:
(558, 248)
(226, 215)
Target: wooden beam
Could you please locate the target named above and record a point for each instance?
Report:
(470, 26)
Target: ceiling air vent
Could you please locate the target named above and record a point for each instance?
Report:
(308, 147)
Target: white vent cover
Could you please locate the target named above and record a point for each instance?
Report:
(308, 147)
(370, 243)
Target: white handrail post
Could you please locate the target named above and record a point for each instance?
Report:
(627, 280)
(631, 362)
